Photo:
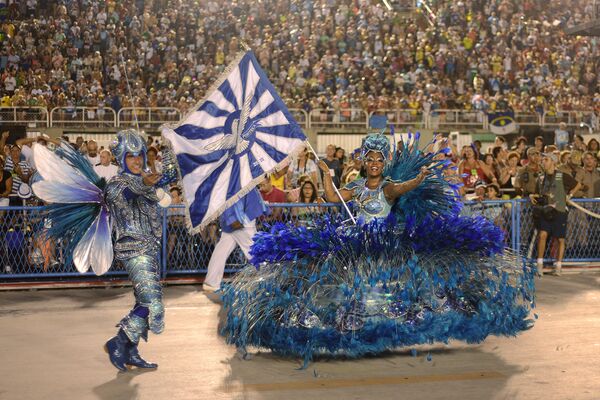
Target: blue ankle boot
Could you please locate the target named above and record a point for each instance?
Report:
(116, 347)
(135, 360)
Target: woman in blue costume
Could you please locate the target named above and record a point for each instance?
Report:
(411, 271)
(84, 211)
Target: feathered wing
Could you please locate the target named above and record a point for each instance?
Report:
(76, 211)
(437, 194)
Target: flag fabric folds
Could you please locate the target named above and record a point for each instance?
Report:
(226, 144)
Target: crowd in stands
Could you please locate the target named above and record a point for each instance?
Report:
(332, 54)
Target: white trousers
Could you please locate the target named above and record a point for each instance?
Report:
(225, 246)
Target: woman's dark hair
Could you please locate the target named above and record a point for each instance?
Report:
(589, 145)
(495, 151)
(343, 159)
(486, 155)
(313, 197)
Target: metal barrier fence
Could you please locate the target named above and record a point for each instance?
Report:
(154, 117)
(25, 254)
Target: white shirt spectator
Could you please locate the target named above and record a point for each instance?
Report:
(10, 83)
(106, 171)
(93, 160)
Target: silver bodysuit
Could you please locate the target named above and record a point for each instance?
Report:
(136, 219)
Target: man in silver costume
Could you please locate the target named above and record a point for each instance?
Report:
(135, 213)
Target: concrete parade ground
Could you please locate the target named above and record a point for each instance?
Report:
(51, 348)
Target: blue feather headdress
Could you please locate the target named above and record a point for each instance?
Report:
(376, 142)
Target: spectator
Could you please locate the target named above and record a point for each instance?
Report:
(153, 163)
(492, 192)
(589, 177)
(491, 166)
(92, 152)
(301, 166)
(104, 168)
(340, 154)
(521, 147)
(561, 137)
(309, 195)
(335, 167)
(579, 144)
(20, 171)
(5, 184)
(272, 195)
(509, 169)
(593, 146)
(500, 142)
(293, 195)
(279, 178)
(572, 165)
(550, 211)
(473, 170)
(538, 143)
(527, 176)
(79, 142)
(353, 169)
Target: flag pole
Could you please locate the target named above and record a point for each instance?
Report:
(334, 187)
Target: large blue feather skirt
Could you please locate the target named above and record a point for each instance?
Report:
(425, 274)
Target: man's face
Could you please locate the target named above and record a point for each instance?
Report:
(15, 153)
(534, 157)
(92, 148)
(79, 141)
(105, 158)
(330, 150)
(590, 161)
(265, 186)
(134, 163)
(547, 163)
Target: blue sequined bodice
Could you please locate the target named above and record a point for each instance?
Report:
(135, 215)
(369, 203)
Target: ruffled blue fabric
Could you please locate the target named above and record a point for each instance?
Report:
(425, 274)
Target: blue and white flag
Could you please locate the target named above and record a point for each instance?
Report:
(502, 122)
(226, 144)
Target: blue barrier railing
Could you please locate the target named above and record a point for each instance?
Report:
(25, 254)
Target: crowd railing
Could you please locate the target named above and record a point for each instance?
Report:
(147, 117)
(344, 117)
(30, 116)
(154, 117)
(570, 118)
(25, 254)
(91, 117)
(401, 117)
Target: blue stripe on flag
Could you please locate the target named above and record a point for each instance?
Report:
(188, 162)
(193, 132)
(255, 168)
(228, 93)
(260, 89)
(211, 108)
(234, 182)
(200, 205)
(243, 66)
(271, 151)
